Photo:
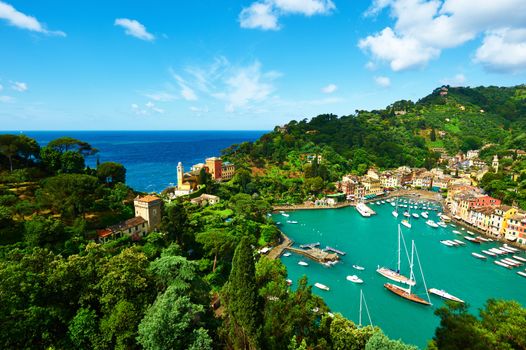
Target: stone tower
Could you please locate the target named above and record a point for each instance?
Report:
(495, 163)
(180, 174)
(149, 208)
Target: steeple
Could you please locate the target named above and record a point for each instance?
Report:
(180, 173)
(495, 163)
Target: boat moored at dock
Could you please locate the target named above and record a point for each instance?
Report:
(364, 210)
(478, 256)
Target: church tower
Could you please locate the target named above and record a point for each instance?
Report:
(495, 163)
(180, 174)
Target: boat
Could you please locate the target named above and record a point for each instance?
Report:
(292, 222)
(512, 262)
(285, 215)
(523, 274)
(393, 204)
(470, 233)
(431, 223)
(358, 267)
(364, 210)
(457, 232)
(452, 225)
(472, 240)
(497, 251)
(406, 214)
(406, 293)
(392, 274)
(383, 202)
(458, 241)
(289, 282)
(503, 264)
(303, 263)
(487, 252)
(395, 213)
(511, 248)
(445, 218)
(482, 239)
(520, 258)
(415, 215)
(354, 279)
(445, 295)
(447, 243)
(479, 256)
(441, 224)
(287, 254)
(321, 286)
(506, 250)
(406, 223)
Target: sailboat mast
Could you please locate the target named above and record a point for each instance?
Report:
(360, 318)
(398, 264)
(411, 274)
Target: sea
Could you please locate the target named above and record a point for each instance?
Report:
(151, 157)
(372, 242)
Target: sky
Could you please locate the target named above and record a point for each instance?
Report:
(242, 65)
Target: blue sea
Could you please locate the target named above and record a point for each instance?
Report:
(151, 157)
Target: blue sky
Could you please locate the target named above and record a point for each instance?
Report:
(68, 65)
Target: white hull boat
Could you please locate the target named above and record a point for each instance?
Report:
(354, 279)
(431, 223)
(321, 286)
(395, 213)
(479, 256)
(303, 263)
(358, 267)
(415, 215)
(503, 264)
(406, 223)
(287, 254)
(445, 295)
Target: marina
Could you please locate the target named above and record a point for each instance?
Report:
(371, 243)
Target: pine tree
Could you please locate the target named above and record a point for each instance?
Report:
(243, 304)
(433, 135)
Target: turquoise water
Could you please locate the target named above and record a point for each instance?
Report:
(373, 241)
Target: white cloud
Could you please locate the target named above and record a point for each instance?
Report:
(401, 52)
(425, 28)
(23, 21)
(370, 66)
(329, 89)
(19, 86)
(259, 15)
(161, 96)
(457, 80)
(265, 14)
(134, 28)
(5, 99)
(186, 92)
(503, 50)
(382, 81)
(147, 109)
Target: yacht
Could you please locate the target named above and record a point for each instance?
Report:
(364, 210)
(415, 215)
(445, 295)
(358, 267)
(425, 215)
(287, 254)
(303, 263)
(431, 223)
(321, 286)
(406, 223)
(354, 279)
(395, 275)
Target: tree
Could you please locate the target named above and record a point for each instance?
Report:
(173, 322)
(83, 329)
(242, 300)
(175, 221)
(65, 144)
(379, 341)
(433, 135)
(72, 162)
(111, 173)
(9, 147)
(44, 232)
(216, 242)
(51, 159)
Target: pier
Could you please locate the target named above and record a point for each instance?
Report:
(315, 254)
(334, 250)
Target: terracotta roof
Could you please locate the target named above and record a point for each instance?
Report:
(136, 221)
(104, 232)
(148, 198)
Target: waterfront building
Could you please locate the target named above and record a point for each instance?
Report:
(205, 199)
(515, 227)
(215, 167)
(389, 179)
(499, 219)
(481, 218)
(227, 171)
(423, 179)
(372, 186)
(442, 182)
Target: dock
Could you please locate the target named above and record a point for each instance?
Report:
(310, 245)
(334, 250)
(315, 254)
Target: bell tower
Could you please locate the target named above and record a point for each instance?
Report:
(495, 163)
(180, 174)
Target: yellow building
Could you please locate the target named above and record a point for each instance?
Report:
(149, 208)
(227, 171)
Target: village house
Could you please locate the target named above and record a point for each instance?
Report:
(205, 199)
(472, 154)
(499, 219)
(423, 179)
(516, 226)
(389, 179)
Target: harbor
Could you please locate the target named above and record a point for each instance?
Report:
(450, 270)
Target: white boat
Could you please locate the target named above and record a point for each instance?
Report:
(441, 224)
(287, 254)
(457, 232)
(406, 214)
(303, 263)
(472, 240)
(503, 264)
(479, 256)
(523, 274)
(358, 267)
(395, 275)
(415, 215)
(354, 279)
(321, 286)
(470, 233)
(487, 252)
(393, 204)
(506, 250)
(447, 243)
(383, 202)
(406, 223)
(511, 248)
(285, 215)
(364, 210)
(511, 262)
(452, 225)
(482, 239)
(520, 258)
(458, 241)
(497, 251)
(445, 295)
(289, 282)
(431, 223)
(395, 213)
(445, 218)
(292, 222)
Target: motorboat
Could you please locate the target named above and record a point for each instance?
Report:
(287, 254)
(415, 215)
(457, 232)
(445, 295)
(303, 263)
(354, 279)
(487, 252)
(395, 213)
(478, 256)
(406, 223)
(425, 215)
(292, 222)
(458, 241)
(285, 215)
(503, 264)
(358, 267)
(472, 240)
(321, 286)
(431, 223)
(406, 214)
(441, 224)
(447, 243)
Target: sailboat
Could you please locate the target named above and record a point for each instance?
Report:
(395, 212)
(395, 275)
(406, 293)
(362, 300)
